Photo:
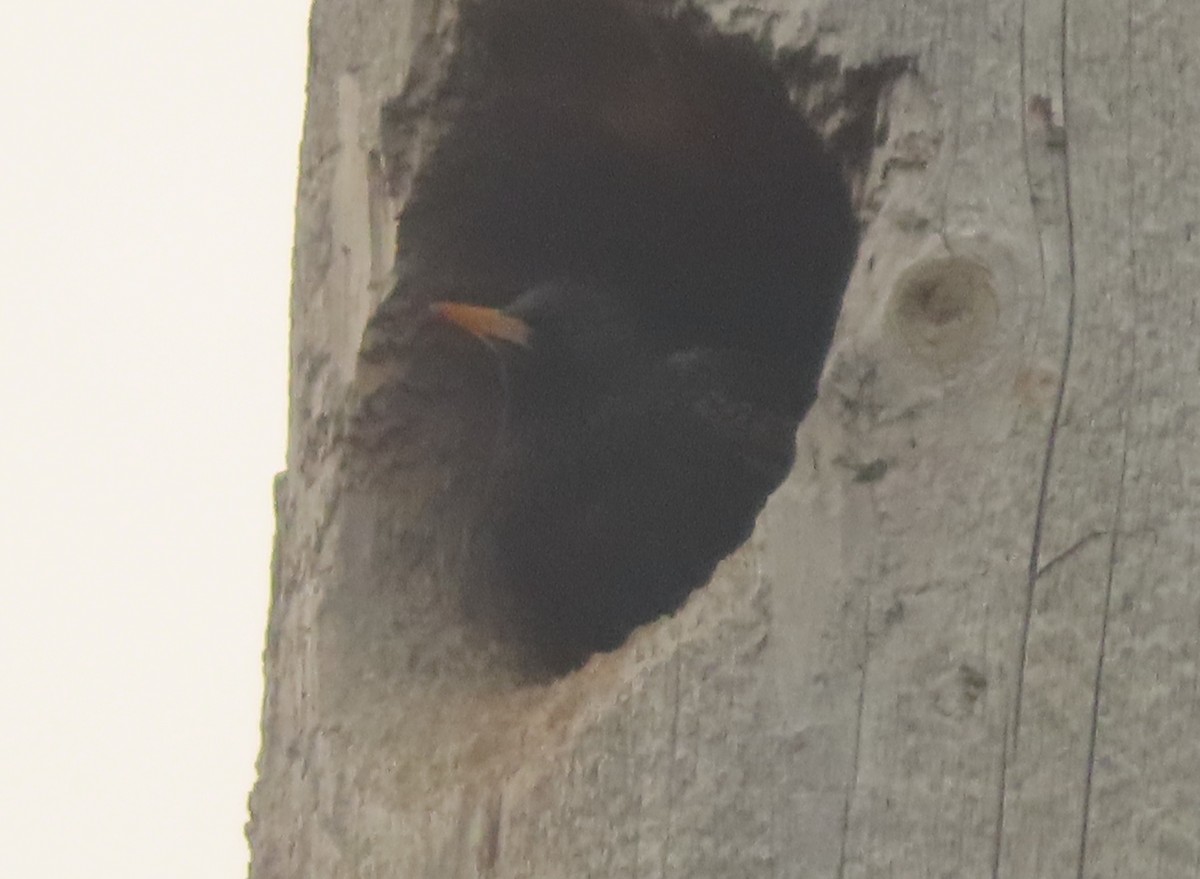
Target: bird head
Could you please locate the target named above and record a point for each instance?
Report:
(562, 341)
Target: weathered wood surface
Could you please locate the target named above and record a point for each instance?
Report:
(963, 641)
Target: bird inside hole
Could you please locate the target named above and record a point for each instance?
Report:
(657, 244)
(631, 468)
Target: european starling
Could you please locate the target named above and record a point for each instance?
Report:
(655, 242)
(630, 470)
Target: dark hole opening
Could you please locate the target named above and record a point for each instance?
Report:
(641, 192)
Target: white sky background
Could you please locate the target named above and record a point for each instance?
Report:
(148, 158)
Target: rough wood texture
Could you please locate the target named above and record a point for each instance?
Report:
(963, 640)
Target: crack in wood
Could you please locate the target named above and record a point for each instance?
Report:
(1070, 551)
(1094, 720)
(1011, 742)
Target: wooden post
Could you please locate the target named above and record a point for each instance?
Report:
(963, 640)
